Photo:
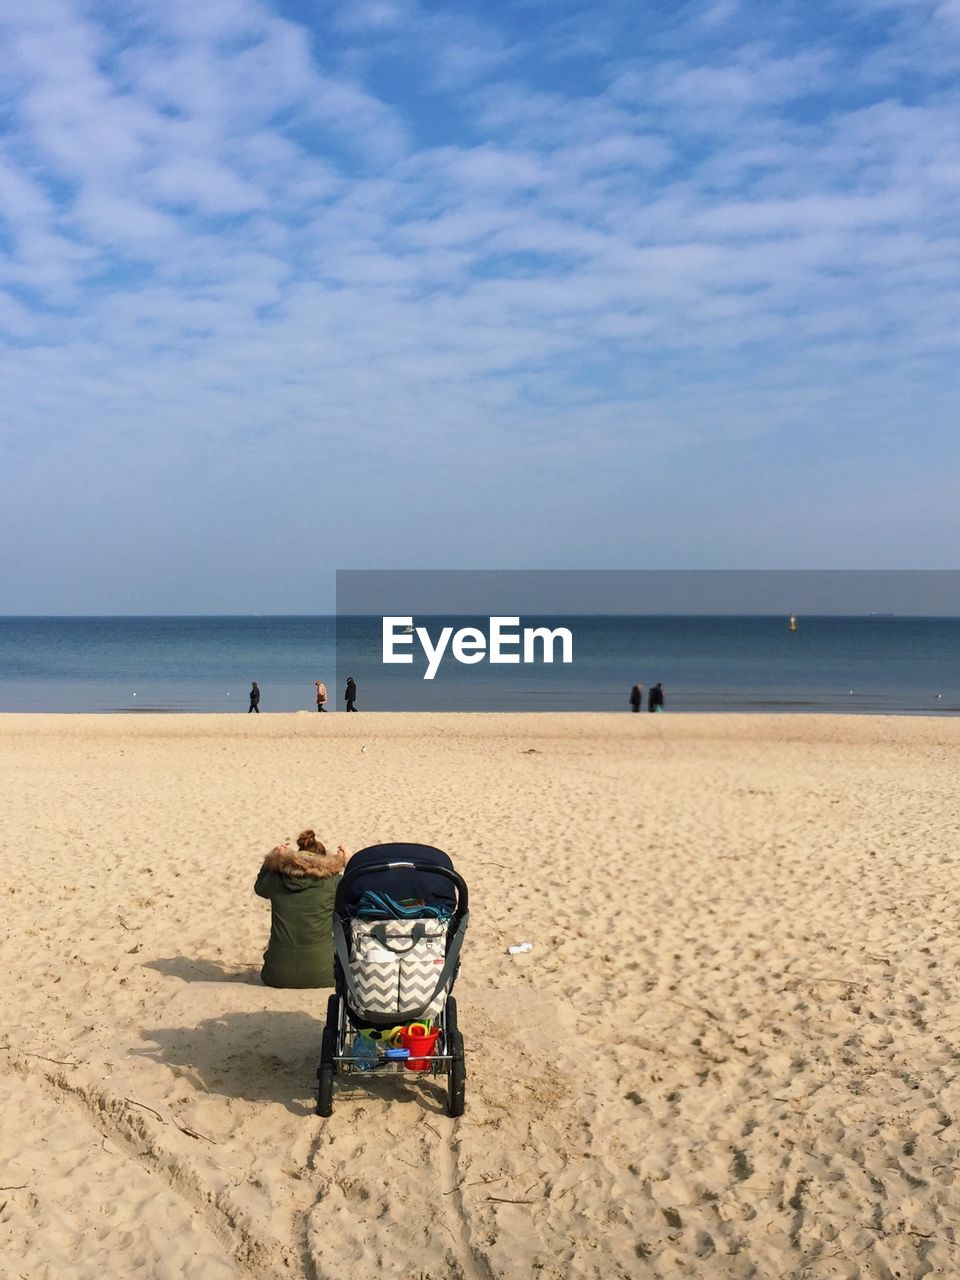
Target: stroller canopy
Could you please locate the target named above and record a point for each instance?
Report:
(402, 883)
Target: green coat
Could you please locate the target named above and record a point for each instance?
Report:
(301, 888)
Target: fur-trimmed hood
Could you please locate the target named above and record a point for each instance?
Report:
(306, 866)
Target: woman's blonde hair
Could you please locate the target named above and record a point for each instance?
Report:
(307, 842)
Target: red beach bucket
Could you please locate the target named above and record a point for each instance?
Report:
(421, 1044)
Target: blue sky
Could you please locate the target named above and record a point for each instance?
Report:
(292, 287)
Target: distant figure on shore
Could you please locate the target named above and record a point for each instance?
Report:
(254, 698)
(655, 698)
(300, 885)
(321, 695)
(636, 697)
(351, 693)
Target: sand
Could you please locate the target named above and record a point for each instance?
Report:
(732, 1052)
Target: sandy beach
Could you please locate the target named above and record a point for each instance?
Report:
(732, 1051)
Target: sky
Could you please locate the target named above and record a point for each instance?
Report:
(932, 593)
(287, 288)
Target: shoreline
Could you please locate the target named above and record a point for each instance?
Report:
(801, 709)
(134, 713)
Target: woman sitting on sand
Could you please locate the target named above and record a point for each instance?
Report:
(301, 885)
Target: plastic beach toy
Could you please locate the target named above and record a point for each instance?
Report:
(421, 1043)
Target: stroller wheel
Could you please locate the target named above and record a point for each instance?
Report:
(328, 1047)
(450, 1018)
(457, 1076)
(326, 1071)
(325, 1090)
(333, 1011)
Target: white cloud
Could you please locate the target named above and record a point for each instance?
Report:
(205, 185)
(220, 226)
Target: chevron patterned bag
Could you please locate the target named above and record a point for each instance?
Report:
(395, 965)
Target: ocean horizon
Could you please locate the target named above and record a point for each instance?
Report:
(863, 664)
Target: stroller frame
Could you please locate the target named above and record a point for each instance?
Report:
(342, 1020)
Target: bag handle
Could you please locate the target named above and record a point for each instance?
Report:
(417, 934)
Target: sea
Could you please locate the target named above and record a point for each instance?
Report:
(857, 665)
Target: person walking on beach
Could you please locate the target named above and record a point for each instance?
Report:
(636, 697)
(254, 698)
(321, 695)
(351, 693)
(655, 698)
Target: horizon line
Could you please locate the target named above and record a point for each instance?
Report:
(812, 614)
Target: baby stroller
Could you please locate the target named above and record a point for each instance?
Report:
(398, 923)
